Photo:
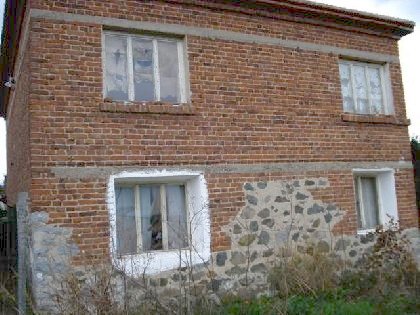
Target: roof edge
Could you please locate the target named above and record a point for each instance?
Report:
(340, 10)
(14, 13)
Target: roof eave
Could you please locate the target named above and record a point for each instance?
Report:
(14, 12)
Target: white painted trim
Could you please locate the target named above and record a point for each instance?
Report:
(156, 74)
(199, 218)
(181, 72)
(164, 220)
(130, 70)
(137, 215)
(386, 193)
(365, 232)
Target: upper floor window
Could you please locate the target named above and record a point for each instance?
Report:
(144, 68)
(365, 88)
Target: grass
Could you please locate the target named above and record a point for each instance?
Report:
(326, 303)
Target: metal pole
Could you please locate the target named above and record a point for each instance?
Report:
(22, 211)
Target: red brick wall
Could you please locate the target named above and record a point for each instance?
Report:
(251, 103)
(18, 158)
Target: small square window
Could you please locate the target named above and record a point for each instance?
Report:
(150, 218)
(376, 201)
(365, 88)
(144, 68)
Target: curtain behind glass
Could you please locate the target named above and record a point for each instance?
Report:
(177, 217)
(126, 221)
(116, 79)
(151, 220)
(370, 202)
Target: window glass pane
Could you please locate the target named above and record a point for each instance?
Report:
(116, 86)
(144, 87)
(151, 219)
(168, 70)
(369, 200)
(376, 90)
(346, 88)
(126, 221)
(177, 217)
(361, 89)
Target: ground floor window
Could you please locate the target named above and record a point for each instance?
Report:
(376, 201)
(151, 217)
(159, 220)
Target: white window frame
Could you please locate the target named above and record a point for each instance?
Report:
(387, 99)
(182, 65)
(198, 222)
(137, 210)
(386, 194)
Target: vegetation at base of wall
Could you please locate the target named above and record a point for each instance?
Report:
(327, 303)
(386, 281)
(7, 289)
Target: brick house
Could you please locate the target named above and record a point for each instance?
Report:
(146, 131)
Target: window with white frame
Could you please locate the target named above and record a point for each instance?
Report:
(159, 220)
(150, 217)
(144, 68)
(365, 88)
(376, 201)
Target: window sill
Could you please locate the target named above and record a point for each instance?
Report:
(366, 231)
(375, 119)
(146, 107)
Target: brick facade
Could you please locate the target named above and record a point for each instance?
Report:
(251, 104)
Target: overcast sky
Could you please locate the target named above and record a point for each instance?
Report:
(409, 56)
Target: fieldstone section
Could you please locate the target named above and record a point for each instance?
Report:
(253, 226)
(51, 251)
(264, 213)
(247, 239)
(261, 185)
(221, 259)
(264, 238)
(237, 258)
(237, 229)
(252, 200)
(284, 215)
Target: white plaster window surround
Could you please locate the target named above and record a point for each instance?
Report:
(376, 200)
(366, 88)
(142, 68)
(137, 261)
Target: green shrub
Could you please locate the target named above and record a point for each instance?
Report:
(328, 305)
